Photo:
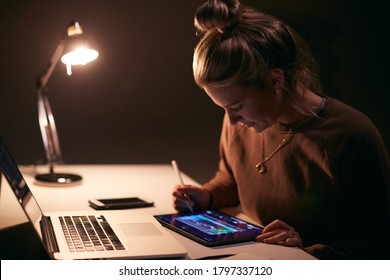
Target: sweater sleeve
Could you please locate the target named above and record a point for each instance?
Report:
(362, 168)
(366, 177)
(222, 186)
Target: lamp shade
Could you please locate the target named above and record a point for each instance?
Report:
(77, 51)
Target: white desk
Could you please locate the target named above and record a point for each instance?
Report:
(104, 181)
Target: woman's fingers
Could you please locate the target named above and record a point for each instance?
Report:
(278, 232)
(186, 198)
(286, 238)
(278, 224)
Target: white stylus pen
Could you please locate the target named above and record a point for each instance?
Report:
(178, 173)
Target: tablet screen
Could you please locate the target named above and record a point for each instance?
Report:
(210, 227)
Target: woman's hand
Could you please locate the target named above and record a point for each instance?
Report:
(197, 197)
(278, 232)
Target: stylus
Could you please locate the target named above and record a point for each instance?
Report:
(178, 173)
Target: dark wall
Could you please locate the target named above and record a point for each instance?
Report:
(138, 103)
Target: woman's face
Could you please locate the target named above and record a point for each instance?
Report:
(255, 108)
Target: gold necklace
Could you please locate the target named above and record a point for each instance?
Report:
(261, 168)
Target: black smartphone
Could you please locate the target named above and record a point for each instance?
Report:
(120, 203)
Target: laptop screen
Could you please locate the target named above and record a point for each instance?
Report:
(19, 186)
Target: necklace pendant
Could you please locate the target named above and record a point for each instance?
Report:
(261, 168)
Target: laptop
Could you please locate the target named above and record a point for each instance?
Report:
(105, 234)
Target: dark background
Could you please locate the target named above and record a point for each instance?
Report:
(138, 103)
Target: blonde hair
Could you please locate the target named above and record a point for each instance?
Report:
(239, 46)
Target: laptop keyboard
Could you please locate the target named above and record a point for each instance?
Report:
(89, 233)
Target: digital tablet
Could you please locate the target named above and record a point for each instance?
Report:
(210, 227)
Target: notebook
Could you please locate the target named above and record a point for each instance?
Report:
(106, 234)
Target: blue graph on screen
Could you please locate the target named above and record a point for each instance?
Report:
(207, 225)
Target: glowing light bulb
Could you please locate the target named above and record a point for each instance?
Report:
(80, 56)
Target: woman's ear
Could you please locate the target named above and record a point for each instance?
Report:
(276, 76)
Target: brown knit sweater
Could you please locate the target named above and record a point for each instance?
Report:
(330, 181)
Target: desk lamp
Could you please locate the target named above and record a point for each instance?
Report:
(72, 50)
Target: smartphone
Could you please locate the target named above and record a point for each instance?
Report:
(120, 203)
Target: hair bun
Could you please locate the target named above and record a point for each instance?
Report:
(221, 14)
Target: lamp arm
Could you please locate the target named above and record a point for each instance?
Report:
(48, 130)
(44, 78)
(46, 119)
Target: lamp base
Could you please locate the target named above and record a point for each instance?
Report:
(58, 179)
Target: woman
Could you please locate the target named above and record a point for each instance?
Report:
(312, 170)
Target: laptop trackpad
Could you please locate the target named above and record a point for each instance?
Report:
(140, 229)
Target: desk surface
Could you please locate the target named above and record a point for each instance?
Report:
(109, 181)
